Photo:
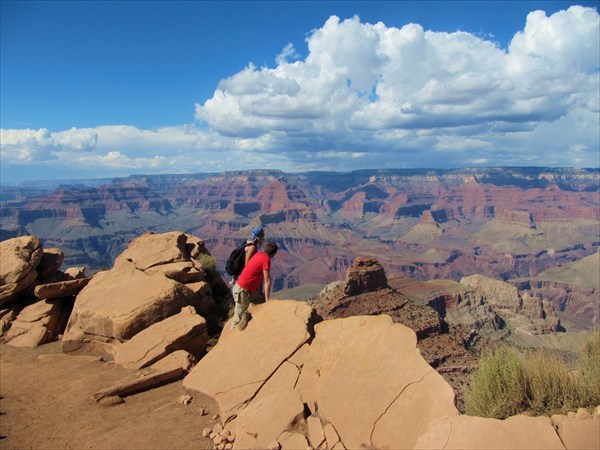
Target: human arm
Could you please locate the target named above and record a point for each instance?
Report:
(250, 251)
(267, 284)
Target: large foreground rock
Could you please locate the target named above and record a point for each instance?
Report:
(117, 304)
(365, 376)
(153, 279)
(19, 258)
(235, 370)
(351, 383)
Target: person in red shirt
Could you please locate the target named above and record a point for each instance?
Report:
(256, 271)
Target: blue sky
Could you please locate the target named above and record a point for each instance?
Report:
(105, 88)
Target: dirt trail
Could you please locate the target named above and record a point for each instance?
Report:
(45, 404)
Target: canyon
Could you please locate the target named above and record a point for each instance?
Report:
(524, 226)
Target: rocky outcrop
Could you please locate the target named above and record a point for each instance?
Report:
(528, 314)
(444, 347)
(366, 275)
(352, 377)
(356, 382)
(148, 283)
(37, 324)
(37, 295)
(19, 258)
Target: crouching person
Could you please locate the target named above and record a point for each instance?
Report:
(256, 271)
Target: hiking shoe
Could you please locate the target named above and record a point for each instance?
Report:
(243, 322)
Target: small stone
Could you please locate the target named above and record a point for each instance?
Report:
(221, 446)
(206, 432)
(203, 411)
(274, 446)
(218, 440)
(224, 433)
(596, 412)
(583, 413)
(212, 435)
(185, 399)
(218, 428)
(570, 414)
(228, 446)
(215, 417)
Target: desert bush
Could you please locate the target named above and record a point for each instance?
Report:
(498, 385)
(551, 387)
(208, 261)
(589, 370)
(510, 382)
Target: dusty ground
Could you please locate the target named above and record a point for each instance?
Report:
(45, 404)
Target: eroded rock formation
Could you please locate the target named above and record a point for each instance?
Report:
(289, 380)
(154, 279)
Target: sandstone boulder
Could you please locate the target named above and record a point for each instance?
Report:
(365, 376)
(242, 362)
(578, 433)
(75, 272)
(36, 324)
(183, 331)
(7, 316)
(152, 250)
(178, 359)
(19, 258)
(466, 432)
(156, 276)
(119, 303)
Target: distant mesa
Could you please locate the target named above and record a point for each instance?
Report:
(508, 224)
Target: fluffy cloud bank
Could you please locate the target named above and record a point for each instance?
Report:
(377, 96)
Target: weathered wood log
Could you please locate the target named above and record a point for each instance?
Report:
(140, 384)
(60, 289)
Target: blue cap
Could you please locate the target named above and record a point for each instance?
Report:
(258, 232)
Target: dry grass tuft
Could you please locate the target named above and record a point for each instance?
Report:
(510, 382)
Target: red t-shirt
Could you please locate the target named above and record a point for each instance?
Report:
(252, 275)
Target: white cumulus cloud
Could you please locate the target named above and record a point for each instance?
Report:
(376, 95)
(369, 87)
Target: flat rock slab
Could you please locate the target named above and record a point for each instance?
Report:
(150, 250)
(183, 331)
(467, 432)
(578, 433)
(240, 364)
(370, 382)
(61, 288)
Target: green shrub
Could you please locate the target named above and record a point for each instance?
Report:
(208, 261)
(498, 385)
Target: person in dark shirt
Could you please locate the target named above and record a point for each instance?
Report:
(256, 271)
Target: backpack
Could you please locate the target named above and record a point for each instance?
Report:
(237, 259)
